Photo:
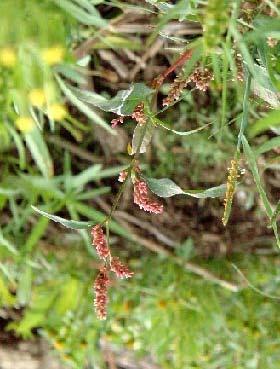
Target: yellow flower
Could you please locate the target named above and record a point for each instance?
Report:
(57, 112)
(24, 124)
(53, 55)
(37, 97)
(7, 57)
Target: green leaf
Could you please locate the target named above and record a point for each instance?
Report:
(276, 213)
(254, 169)
(165, 187)
(267, 146)
(272, 119)
(89, 17)
(6, 243)
(39, 151)
(138, 137)
(25, 285)
(123, 103)
(255, 172)
(68, 296)
(181, 133)
(6, 298)
(73, 224)
(69, 92)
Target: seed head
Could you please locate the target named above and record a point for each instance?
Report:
(201, 77)
(175, 91)
(231, 184)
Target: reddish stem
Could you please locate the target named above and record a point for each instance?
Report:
(180, 61)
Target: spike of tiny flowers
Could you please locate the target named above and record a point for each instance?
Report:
(101, 285)
(201, 77)
(121, 270)
(115, 122)
(122, 176)
(231, 184)
(141, 198)
(99, 241)
(175, 91)
(139, 114)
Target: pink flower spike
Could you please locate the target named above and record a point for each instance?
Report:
(99, 241)
(116, 121)
(141, 198)
(120, 269)
(101, 285)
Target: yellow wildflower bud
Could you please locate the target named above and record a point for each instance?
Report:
(53, 55)
(24, 124)
(7, 57)
(37, 97)
(57, 112)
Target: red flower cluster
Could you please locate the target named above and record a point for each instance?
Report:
(101, 285)
(116, 121)
(141, 198)
(120, 269)
(99, 241)
(122, 176)
(139, 114)
(102, 281)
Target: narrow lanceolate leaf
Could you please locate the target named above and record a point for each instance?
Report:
(65, 222)
(69, 92)
(144, 135)
(276, 213)
(181, 133)
(250, 156)
(89, 17)
(39, 151)
(271, 144)
(272, 119)
(165, 187)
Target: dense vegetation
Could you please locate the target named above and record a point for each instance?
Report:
(170, 107)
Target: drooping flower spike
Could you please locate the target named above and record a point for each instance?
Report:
(99, 241)
(101, 285)
(142, 199)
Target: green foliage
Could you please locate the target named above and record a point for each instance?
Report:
(47, 269)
